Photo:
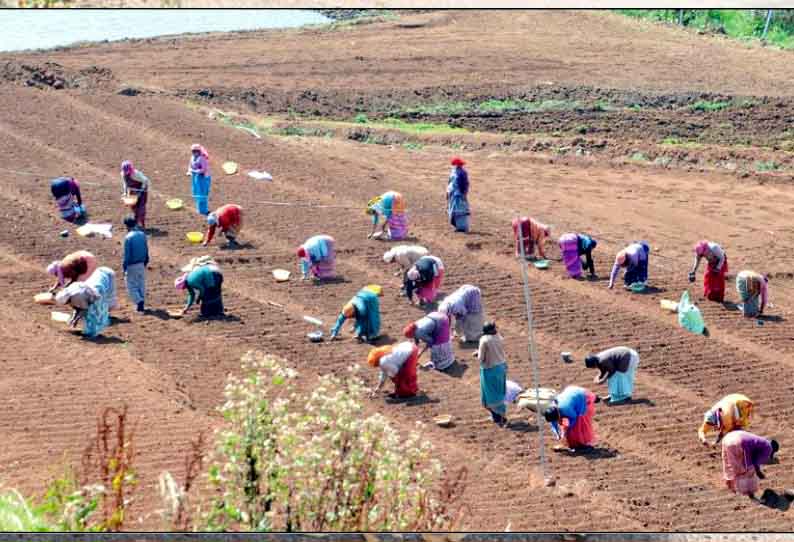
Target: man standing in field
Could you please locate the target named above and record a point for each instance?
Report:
(136, 258)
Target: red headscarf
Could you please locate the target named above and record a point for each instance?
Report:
(458, 161)
(301, 252)
(410, 330)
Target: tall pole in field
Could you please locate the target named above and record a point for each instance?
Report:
(532, 354)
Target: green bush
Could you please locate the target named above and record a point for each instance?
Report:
(17, 514)
(290, 462)
(703, 105)
(737, 23)
(769, 165)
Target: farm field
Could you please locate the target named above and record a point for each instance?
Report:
(594, 123)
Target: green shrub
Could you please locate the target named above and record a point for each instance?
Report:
(769, 165)
(361, 118)
(638, 157)
(289, 462)
(17, 514)
(703, 105)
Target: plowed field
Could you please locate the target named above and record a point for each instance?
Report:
(649, 471)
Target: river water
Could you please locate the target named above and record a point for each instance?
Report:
(46, 28)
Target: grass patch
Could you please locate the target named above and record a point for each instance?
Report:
(419, 127)
(678, 142)
(361, 118)
(741, 24)
(507, 105)
(638, 157)
(413, 146)
(707, 106)
(439, 108)
(603, 105)
(769, 165)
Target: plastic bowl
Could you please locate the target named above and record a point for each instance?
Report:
(315, 336)
(445, 420)
(281, 275)
(174, 204)
(194, 237)
(45, 298)
(58, 316)
(541, 264)
(566, 357)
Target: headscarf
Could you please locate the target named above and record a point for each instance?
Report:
(55, 269)
(374, 356)
(712, 417)
(198, 261)
(375, 289)
(181, 282)
(701, 248)
(130, 221)
(552, 414)
(410, 330)
(371, 205)
(413, 274)
(591, 361)
(458, 161)
(212, 219)
(389, 256)
(127, 168)
(349, 310)
(202, 150)
(301, 252)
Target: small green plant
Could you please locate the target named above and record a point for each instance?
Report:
(672, 141)
(746, 103)
(602, 105)
(638, 157)
(413, 145)
(706, 106)
(289, 462)
(498, 106)
(420, 127)
(582, 129)
(292, 131)
(69, 506)
(18, 515)
(109, 459)
(769, 165)
(635, 107)
(361, 118)
(663, 161)
(439, 108)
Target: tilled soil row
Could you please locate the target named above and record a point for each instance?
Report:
(608, 490)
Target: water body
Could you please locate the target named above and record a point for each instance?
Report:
(44, 29)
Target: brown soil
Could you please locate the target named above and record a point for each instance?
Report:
(649, 472)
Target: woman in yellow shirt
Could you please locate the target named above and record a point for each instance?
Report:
(730, 413)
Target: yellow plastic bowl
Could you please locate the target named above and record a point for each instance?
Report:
(195, 237)
(174, 204)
